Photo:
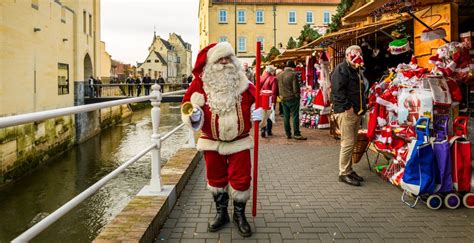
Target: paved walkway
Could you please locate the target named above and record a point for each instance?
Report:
(301, 200)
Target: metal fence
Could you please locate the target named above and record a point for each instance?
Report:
(155, 148)
(114, 90)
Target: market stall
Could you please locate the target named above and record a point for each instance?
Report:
(419, 61)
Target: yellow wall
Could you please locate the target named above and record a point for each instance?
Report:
(29, 60)
(209, 24)
(106, 62)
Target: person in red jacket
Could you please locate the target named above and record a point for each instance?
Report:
(222, 99)
(269, 82)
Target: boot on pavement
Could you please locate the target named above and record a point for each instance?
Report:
(222, 217)
(240, 220)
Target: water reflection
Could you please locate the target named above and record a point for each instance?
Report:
(57, 182)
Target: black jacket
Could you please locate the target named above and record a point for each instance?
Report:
(347, 89)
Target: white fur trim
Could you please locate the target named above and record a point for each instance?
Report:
(381, 122)
(222, 49)
(383, 102)
(195, 126)
(225, 148)
(243, 83)
(321, 126)
(319, 107)
(197, 99)
(228, 125)
(216, 190)
(325, 111)
(239, 196)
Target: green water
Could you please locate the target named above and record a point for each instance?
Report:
(49, 187)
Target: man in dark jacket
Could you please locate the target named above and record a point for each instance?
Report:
(349, 104)
(161, 82)
(130, 81)
(289, 91)
(147, 84)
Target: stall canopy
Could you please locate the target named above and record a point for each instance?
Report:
(294, 54)
(374, 6)
(354, 33)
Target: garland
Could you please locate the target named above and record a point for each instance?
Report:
(341, 10)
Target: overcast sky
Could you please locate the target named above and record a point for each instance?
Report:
(127, 25)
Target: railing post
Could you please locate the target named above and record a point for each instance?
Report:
(191, 143)
(155, 182)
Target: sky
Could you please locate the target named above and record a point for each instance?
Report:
(127, 25)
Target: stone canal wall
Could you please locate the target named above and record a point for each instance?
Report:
(25, 147)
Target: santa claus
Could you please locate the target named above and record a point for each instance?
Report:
(222, 101)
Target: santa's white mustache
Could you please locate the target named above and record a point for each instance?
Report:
(220, 67)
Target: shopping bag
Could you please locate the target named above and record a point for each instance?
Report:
(272, 116)
(443, 172)
(461, 154)
(418, 177)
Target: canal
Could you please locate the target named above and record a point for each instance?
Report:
(26, 201)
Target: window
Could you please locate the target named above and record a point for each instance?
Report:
(223, 39)
(259, 17)
(148, 60)
(178, 59)
(223, 16)
(309, 17)
(84, 20)
(90, 25)
(35, 4)
(156, 74)
(63, 79)
(242, 44)
(241, 16)
(326, 17)
(292, 17)
(156, 61)
(261, 40)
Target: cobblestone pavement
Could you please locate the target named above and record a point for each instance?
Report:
(301, 200)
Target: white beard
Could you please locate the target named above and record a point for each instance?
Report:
(221, 86)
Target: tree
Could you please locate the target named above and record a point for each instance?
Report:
(291, 43)
(307, 35)
(272, 54)
(341, 10)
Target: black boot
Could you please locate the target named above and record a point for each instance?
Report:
(240, 220)
(222, 217)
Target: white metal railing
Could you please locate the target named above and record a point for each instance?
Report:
(124, 89)
(154, 148)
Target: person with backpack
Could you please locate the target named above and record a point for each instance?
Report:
(269, 82)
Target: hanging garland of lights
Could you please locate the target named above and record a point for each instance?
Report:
(395, 6)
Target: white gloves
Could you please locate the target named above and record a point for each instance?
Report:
(257, 114)
(196, 116)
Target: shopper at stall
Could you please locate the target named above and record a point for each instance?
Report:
(347, 91)
(269, 82)
(289, 91)
(221, 97)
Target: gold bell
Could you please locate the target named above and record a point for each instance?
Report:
(187, 108)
